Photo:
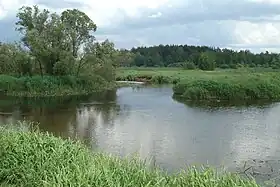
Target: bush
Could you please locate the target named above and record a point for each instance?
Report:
(252, 65)
(31, 158)
(178, 64)
(233, 66)
(224, 66)
(159, 79)
(189, 65)
(207, 61)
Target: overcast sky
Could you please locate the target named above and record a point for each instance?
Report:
(237, 24)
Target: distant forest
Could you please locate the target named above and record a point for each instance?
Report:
(191, 57)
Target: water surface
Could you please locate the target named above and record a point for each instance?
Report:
(148, 121)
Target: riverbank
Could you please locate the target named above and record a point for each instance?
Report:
(240, 84)
(38, 159)
(38, 86)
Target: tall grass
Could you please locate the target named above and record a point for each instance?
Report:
(50, 85)
(31, 158)
(242, 87)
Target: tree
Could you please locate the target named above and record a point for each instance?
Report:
(174, 55)
(78, 27)
(140, 60)
(275, 63)
(32, 23)
(206, 61)
(99, 59)
(56, 41)
(124, 58)
(14, 60)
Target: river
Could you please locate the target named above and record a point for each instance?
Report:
(148, 121)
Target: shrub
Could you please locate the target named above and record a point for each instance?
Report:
(189, 65)
(224, 66)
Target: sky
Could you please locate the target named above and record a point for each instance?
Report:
(236, 24)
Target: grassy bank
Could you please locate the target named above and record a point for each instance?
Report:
(254, 86)
(51, 85)
(30, 158)
(240, 84)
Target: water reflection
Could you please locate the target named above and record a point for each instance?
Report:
(148, 121)
(66, 117)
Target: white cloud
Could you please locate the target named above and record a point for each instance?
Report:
(263, 36)
(109, 12)
(258, 33)
(11, 6)
(226, 23)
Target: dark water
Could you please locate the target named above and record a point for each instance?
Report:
(148, 121)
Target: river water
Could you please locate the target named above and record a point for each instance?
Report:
(148, 121)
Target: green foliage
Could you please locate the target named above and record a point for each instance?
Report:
(124, 58)
(207, 61)
(10, 83)
(56, 46)
(189, 65)
(178, 64)
(160, 79)
(224, 66)
(252, 65)
(233, 66)
(14, 60)
(52, 85)
(155, 78)
(202, 56)
(31, 158)
(238, 87)
(77, 26)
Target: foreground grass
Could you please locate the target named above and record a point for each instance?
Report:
(37, 86)
(241, 84)
(31, 158)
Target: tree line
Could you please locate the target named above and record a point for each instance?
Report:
(202, 57)
(63, 44)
